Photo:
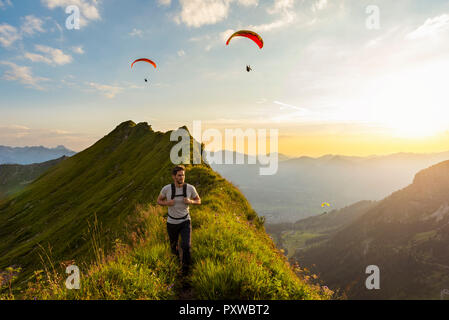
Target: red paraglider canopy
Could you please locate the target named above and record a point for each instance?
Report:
(248, 34)
(144, 60)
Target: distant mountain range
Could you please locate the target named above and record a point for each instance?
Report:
(406, 235)
(302, 184)
(29, 155)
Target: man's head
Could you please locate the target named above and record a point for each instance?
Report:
(178, 174)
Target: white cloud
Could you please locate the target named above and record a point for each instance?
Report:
(19, 135)
(282, 7)
(59, 132)
(196, 13)
(31, 25)
(8, 35)
(213, 40)
(14, 131)
(431, 27)
(5, 3)
(289, 106)
(88, 8)
(107, 90)
(319, 5)
(278, 24)
(15, 126)
(248, 3)
(110, 91)
(181, 53)
(166, 3)
(56, 55)
(136, 33)
(51, 56)
(78, 50)
(377, 41)
(34, 57)
(23, 75)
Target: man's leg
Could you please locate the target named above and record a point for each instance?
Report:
(173, 234)
(186, 234)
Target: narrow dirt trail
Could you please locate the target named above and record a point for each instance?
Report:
(185, 290)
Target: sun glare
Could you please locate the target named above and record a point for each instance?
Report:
(414, 103)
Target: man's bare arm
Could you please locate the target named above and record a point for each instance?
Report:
(161, 200)
(196, 200)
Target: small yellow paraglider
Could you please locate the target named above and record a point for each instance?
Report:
(325, 204)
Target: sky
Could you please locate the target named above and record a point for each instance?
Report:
(334, 76)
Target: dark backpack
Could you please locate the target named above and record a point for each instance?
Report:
(173, 191)
(173, 195)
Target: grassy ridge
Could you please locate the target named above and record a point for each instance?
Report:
(97, 208)
(233, 258)
(107, 180)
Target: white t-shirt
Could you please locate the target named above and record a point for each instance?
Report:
(179, 209)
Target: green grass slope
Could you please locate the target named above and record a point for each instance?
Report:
(103, 198)
(14, 177)
(125, 167)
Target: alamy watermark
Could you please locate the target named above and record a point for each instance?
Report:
(73, 20)
(256, 144)
(373, 281)
(73, 280)
(373, 20)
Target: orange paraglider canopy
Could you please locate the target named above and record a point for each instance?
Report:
(248, 34)
(144, 60)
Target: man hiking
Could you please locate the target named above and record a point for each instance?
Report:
(178, 196)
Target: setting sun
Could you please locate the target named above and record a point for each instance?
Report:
(413, 103)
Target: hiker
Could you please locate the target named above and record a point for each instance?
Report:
(178, 196)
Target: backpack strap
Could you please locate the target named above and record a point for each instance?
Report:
(182, 218)
(173, 191)
(173, 195)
